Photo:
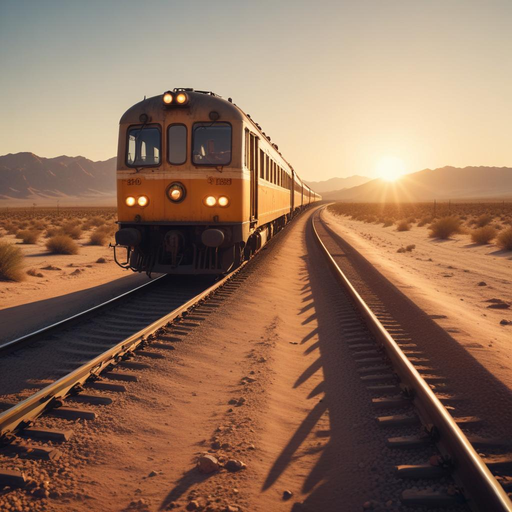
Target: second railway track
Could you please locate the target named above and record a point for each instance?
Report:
(410, 392)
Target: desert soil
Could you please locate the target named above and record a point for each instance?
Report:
(70, 284)
(453, 280)
(261, 376)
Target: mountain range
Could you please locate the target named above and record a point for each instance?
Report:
(443, 183)
(25, 176)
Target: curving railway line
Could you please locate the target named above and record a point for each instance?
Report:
(460, 452)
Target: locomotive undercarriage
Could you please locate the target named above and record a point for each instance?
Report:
(190, 249)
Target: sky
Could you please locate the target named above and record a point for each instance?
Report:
(340, 86)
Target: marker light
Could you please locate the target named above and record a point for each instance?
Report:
(210, 201)
(167, 98)
(181, 98)
(143, 201)
(130, 201)
(176, 192)
(223, 201)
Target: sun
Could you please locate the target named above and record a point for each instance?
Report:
(390, 168)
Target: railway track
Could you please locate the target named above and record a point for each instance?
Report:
(415, 401)
(106, 368)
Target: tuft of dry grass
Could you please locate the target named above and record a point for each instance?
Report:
(445, 227)
(62, 244)
(483, 235)
(71, 229)
(98, 237)
(11, 263)
(29, 236)
(387, 223)
(424, 220)
(403, 225)
(505, 240)
(483, 220)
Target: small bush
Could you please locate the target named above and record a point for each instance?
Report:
(29, 236)
(424, 220)
(71, 229)
(11, 263)
(401, 250)
(52, 232)
(38, 224)
(62, 244)
(409, 248)
(11, 228)
(482, 236)
(483, 220)
(445, 227)
(403, 225)
(505, 240)
(98, 237)
(387, 223)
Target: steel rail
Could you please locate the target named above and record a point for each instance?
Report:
(28, 410)
(10, 345)
(483, 491)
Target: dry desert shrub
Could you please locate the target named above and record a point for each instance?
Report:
(11, 228)
(39, 225)
(62, 244)
(483, 235)
(483, 220)
(424, 220)
(403, 225)
(505, 240)
(444, 228)
(95, 221)
(387, 223)
(52, 232)
(72, 229)
(29, 236)
(98, 237)
(11, 263)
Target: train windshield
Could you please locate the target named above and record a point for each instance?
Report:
(211, 144)
(144, 145)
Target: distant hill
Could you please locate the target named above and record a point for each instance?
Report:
(25, 176)
(443, 183)
(337, 183)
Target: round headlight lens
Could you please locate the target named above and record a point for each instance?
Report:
(143, 201)
(176, 192)
(181, 98)
(167, 98)
(223, 201)
(210, 201)
(130, 201)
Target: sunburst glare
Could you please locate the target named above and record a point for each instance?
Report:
(390, 168)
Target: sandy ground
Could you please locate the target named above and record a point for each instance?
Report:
(262, 375)
(442, 277)
(70, 283)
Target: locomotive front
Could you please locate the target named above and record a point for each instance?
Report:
(181, 188)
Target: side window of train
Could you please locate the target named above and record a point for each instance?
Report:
(144, 145)
(262, 164)
(177, 144)
(211, 143)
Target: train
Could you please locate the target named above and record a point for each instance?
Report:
(200, 186)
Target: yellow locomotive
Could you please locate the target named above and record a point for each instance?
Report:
(200, 187)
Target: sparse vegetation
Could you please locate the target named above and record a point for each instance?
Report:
(29, 236)
(72, 230)
(483, 235)
(483, 220)
(411, 247)
(444, 228)
(62, 244)
(505, 240)
(98, 237)
(11, 263)
(403, 225)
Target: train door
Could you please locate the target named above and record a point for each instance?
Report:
(292, 190)
(254, 144)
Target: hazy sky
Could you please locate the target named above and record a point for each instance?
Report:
(338, 85)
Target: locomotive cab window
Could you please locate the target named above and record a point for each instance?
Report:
(211, 144)
(143, 148)
(177, 144)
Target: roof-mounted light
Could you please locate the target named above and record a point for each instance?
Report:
(168, 98)
(182, 98)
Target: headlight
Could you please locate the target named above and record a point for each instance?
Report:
(223, 201)
(210, 201)
(130, 201)
(143, 201)
(168, 98)
(182, 98)
(176, 192)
